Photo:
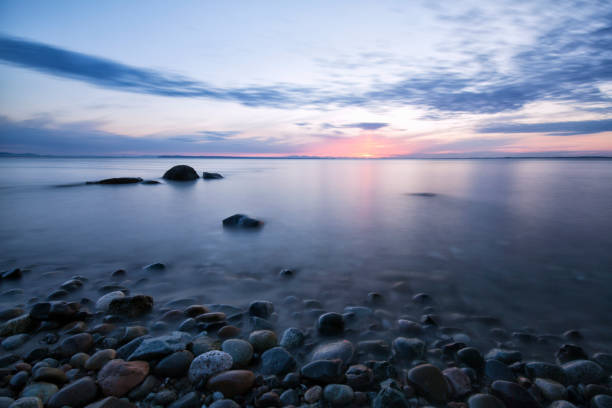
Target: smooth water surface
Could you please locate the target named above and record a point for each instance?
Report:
(528, 241)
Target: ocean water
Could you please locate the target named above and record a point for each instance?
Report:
(527, 241)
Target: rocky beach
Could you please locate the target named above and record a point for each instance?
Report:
(131, 337)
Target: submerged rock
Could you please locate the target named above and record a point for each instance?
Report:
(211, 176)
(181, 172)
(241, 221)
(117, 180)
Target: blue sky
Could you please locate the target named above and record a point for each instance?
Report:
(345, 78)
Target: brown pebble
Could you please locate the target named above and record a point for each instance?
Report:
(232, 383)
(195, 310)
(211, 317)
(172, 316)
(228, 332)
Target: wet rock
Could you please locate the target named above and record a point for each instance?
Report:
(228, 332)
(406, 349)
(161, 346)
(342, 350)
(390, 396)
(323, 371)
(241, 221)
(75, 395)
(570, 352)
(601, 401)
(261, 308)
(277, 361)
(459, 381)
(505, 356)
(429, 381)
(175, 365)
(240, 350)
(17, 325)
(11, 274)
(118, 377)
(99, 359)
(208, 364)
(19, 380)
(290, 397)
(41, 390)
(551, 390)
(131, 306)
(117, 180)
(292, 338)
(145, 388)
(5, 402)
(11, 313)
(313, 394)
(211, 176)
(513, 395)
(27, 402)
(484, 401)
(77, 343)
(164, 397)
(583, 372)
(286, 274)
(232, 383)
(189, 400)
(496, 370)
(155, 267)
(224, 403)
(269, 399)
(359, 376)
(338, 394)
(409, 327)
(15, 341)
(378, 347)
(56, 311)
(604, 360)
(104, 302)
(545, 370)
(111, 402)
(471, 357)
(331, 324)
(262, 340)
(181, 172)
(50, 374)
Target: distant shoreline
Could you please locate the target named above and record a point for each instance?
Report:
(45, 156)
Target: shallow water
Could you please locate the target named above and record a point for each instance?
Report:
(527, 241)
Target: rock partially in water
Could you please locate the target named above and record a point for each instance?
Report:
(76, 343)
(118, 180)
(211, 176)
(261, 308)
(292, 338)
(12, 274)
(17, 325)
(390, 396)
(158, 347)
(181, 172)
(176, 365)
(408, 349)
(151, 182)
(241, 221)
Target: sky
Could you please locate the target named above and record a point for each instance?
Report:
(335, 79)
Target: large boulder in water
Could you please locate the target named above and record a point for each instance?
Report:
(118, 180)
(181, 173)
(241, 221)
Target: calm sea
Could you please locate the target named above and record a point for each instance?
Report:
(528, 241)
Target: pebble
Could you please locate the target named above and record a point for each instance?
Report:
(429, 380)
(261, 308)
(389, 396)
(99, 359)
(513, 395)
(484, 401)
(359, 376)
(144, 389)
(545, 370)
(338, 394)
(471, 357)
(111, 402)
(161, 346)
(343, 350)
(459, 381)
(27, 402)
(104, 302)
(292, 338)
(330, 324)
(42, 390)
(551, 390)
(268, 399)
(77, 343)
(601, 401)
(261, 340)
(19, 380)
(50, 374)
(131, 306)
(313, 394)
(175, 365)
(232, 383)
(583, 372)
(277, 361)
(406, 349)
(570, 352)
(189, 400)
(208, 364)
(323, 371)
(15, 341)
(118, 377)
(75, 395)
(5, 402)
(505, 356)
(496, 370)
(604, 360)
(240, 350)
(224, 403)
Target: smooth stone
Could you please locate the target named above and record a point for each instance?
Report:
(290, 397)
(277, 361)
(232, 383)
(262, 340)
(228, 332)
(77, 343)
(261, 308)
(429, 380)
(390, 397)
(15, 273)
(241, 221)
(342, 350)
(75, 395)
(378, 347)
(161, 346)
(211, 176)
(459, 381)
(131, 306)
(42, 390)
(8, 314)
(19, 380)
(144, 389)
(484, 401)
(104, 302)
(330, 324)
(551, 390)
(601, 401)
(189, 400)
(181, 172)
(540, 369)
(268, 399)
(561, 404)
(313, 394)
(154, 267)
(604, 360)
(27, 402)
(50, 374)
(117, 180)
(496, 370)
(570, 352)
(224, 403)
(292, 338)
(164, 397)
(513, 395)
(17, 325)
(323, 371)
(175, 365)
(505, 356)
(99, 359)
(15, 341)
(338, 394)
(240, 350)
(55, 310)
(208, 364)
(471, 357)
(583, 372)
(406, 349)
(359, 376)
(111, 402)
(118, 377)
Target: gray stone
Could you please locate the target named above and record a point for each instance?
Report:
(75, 395)
(50, 374)
(27, 402)
(99, 358)
(538, 369)
(15, 341)
(208, 364)
(189, 400)
(104, 302)
(41, 390)
(331, 324)
(583, 371)
(342, 350)
(292, 338)
(601, 401)
(277, 361)
(484, 401)
(323, 371)
(429, 381)
(389, 396)
(240, 350)
(406, 349)
(338, 394)
(158, 347)
(261, 340)
(551, 390)
(175, 365)
(505, 356)
(513, 395)
(496, 370)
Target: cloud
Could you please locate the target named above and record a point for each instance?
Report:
(366, 125)
(583, 127)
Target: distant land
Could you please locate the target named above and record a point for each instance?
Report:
(420, 157)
